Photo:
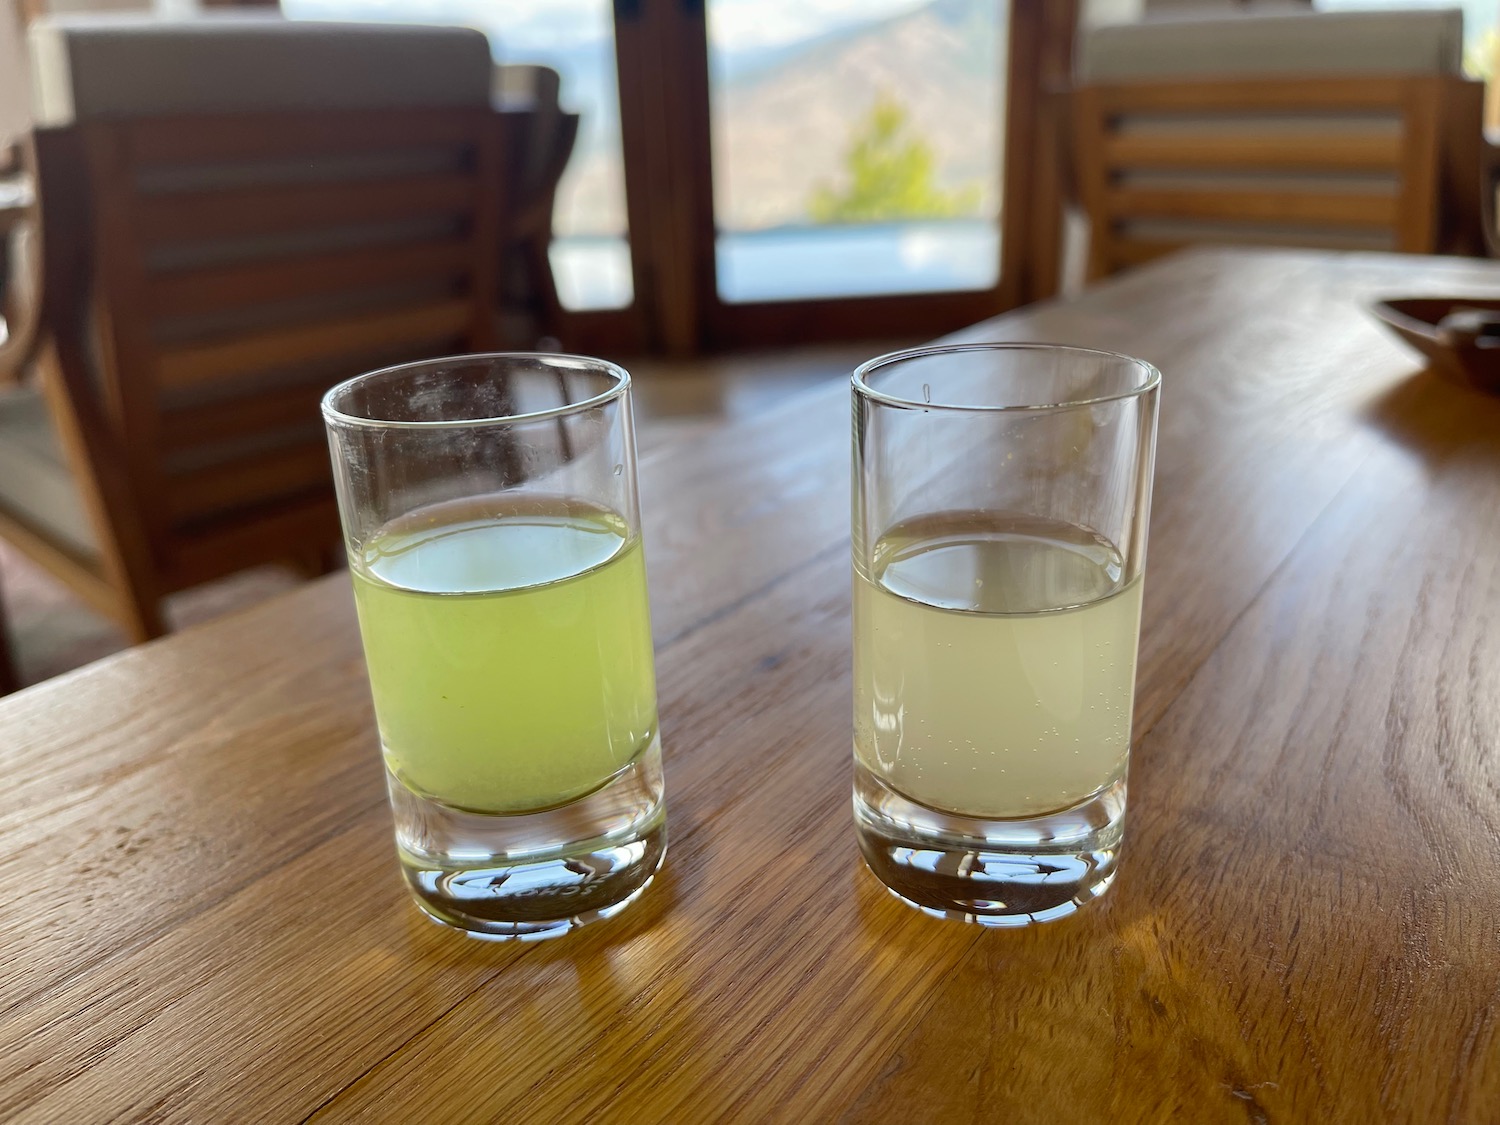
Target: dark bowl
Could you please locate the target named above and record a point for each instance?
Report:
(1460, 336)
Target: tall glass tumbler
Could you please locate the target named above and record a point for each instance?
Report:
(490, 513)
(1001, 497)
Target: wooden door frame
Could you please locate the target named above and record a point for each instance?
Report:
(659, 106)
(661, 55)
(679, 280)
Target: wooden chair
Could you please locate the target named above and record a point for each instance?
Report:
(1290, 142)
(1338, 163)
(540, 136)
(206, 277)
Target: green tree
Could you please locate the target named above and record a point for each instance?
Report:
(889, 175)
(1482, 59)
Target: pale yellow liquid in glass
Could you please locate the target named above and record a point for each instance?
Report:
(509, 652)
(994, 665)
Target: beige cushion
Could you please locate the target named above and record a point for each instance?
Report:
(1416, 41)
(15, 116)
(35, 485)
(1178, 8)
(114, 66)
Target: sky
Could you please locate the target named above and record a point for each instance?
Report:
(740, 24)
(733, 24)
(554, 24)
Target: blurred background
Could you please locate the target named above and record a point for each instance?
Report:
(740, 199)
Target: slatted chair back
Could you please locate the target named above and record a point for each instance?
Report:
(246, 263)
(1351, 163)
(235, 213)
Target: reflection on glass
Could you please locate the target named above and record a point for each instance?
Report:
(856, 145)
(591, 250)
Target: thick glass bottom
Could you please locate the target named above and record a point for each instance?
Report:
(992, 872)
(540, 874)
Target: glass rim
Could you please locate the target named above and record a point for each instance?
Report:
(332, 414)
(860, 379)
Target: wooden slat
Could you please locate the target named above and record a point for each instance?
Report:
(212, 423)
(71, 384)
(81, 576)
(1461, 170)
(247, 212)
(252, 136)
(1417, 227)
(1258, 151)
(196, 292)
(1340, 209)
(234, 544)
(125, 504)
(199, 363)
(1089, 135)
(236, 484)
(1128, 250)
(1136, 251)
(1305, 95)
(234, 412)
(485, 242)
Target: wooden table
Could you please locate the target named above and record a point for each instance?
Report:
(202, 919)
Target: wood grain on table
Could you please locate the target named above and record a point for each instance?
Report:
(202, 918)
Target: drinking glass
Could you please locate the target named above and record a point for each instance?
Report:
(1001, 497)
(490, 514)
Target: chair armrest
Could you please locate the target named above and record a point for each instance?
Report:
(1489, 184)
(532, 194)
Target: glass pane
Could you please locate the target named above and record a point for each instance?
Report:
(856, 145)
(591, 248)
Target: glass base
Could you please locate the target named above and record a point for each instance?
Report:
(535, 875)
(993, 872)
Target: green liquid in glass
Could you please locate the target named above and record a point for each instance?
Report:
(510, 656)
